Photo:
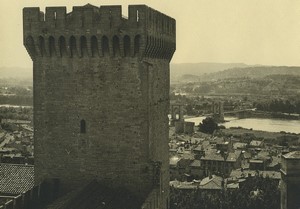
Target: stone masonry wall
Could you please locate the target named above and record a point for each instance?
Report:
(101, 96)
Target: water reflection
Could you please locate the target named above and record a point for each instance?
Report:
(262, 124)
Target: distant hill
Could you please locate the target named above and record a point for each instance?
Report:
(238, 72)
(15, 72)
(15, 76)
(200, 69)
(177, 70)
(185, 72)
(253, 72)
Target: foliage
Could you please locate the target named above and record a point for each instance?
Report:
(21, 113)
(271, 84)
(16, 99)
(276, 105)
(208, 125)
(9, 127)
(194, 199)
(254, 193)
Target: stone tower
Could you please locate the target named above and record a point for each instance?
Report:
(101, 96)
(290, 184)
(218, 111)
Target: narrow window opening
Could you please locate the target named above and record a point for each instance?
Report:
(83, 46)
(54, 15)
(62, 46)
(42, 46)
(116, 46)
(126, 41)
(105, 47)
(82, 127)
(137, 45)
(110, 18)
(137, 16)
(51, 46)
(73, 49)
(94, 46)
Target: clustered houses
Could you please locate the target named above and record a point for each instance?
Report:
(16, 142)
(199, 158)
(16, 162)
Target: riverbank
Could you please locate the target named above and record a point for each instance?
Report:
(266, 115)
(260, 124)
(270, 137)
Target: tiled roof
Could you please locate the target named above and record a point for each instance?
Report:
(188, 156)
(233, 156)
(247, 155)
(213, 182)
(185, 185)
(199, 148)
(292, 155)
(263, 155)
(270, 174)
(196, 163)
(246, 173)
(275, 162)
(239, 145)
(15, 179)
(173, 161)
(256, 161)
(242, 174)
(233, 186)
(217, 140)
(205, 144)
(213, 155)
(255, 143)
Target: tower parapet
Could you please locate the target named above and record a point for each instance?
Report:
(90, 31)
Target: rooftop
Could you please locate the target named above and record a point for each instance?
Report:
(239, 145)
(185, 185)
(292, 155)
(256, 143)
(196, 163)
(174, 160)
(213, 155)
(16, 179)
(213, 182)
(256, 161)
(270, 174)
(238, 173)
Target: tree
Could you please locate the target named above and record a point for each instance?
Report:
(208, 125)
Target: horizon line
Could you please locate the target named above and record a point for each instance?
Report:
(179, 63)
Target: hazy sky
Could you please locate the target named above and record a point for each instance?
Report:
(248, 31)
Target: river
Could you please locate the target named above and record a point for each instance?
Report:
(15, 106)
(262, 124)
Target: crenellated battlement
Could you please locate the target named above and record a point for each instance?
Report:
(90, 31)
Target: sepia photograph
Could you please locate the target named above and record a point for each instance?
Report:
(149, 104)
